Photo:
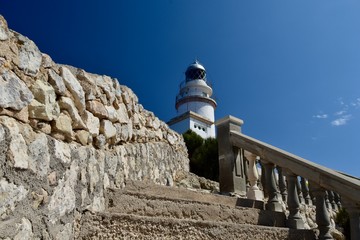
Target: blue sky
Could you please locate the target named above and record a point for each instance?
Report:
(289, 69)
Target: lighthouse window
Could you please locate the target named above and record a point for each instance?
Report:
(195, 74)
(200, 127)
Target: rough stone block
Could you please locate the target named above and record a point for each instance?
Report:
(112, 114)
(22, 115)
(10, 195)
(63, 199)
(14, 93)
(68, 105)
(73, 85)
(122, 114)
(83, 137)
(92, 123)
(63, 125)
(17, 151)
(47, 112)
(29, 56)
(57, 82)
(39, 157)
(3, 29)
(97, 108)
(24, 230)
(107, 128)
(47, 62)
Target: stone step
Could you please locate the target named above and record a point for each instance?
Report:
(145, 205)
(109, 225)
(158, 191)
(143, 199)
(147, 211)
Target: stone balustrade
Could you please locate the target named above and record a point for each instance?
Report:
(287, 180)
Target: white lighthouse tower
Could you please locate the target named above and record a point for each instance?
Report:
(194, 105)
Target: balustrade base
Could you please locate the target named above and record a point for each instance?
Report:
(295, 223)
(249, 203)
(255, 194)
(274, 206)
(324, 233)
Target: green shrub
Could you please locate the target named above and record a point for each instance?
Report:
(192, 141)
(342, 220)
(203, 155)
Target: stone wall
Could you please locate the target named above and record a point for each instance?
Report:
(65, 137)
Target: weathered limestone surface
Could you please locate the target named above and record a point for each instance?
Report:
(57, 82)
(13, 92)
(65, 137)
(3, 29)
(29, 56)
(117, 225)
(73, 85)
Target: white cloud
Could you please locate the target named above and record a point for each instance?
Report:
(321, 116)
(342, 112)
(341, 121)
(356, 103)
(340, 99)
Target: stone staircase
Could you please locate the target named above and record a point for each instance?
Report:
(147, 211)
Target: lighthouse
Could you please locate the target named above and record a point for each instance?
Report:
(194, 105)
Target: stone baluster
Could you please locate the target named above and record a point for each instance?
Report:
(299, 190)
(327, 202)
(305, 190)
(353, 210)
(312, 197)
(337, 200)
(282, 184)
(246, 171)
(253, 193)
(322, 215)
(273, 203)
(294, 220)
(332, 200)
(263, 180)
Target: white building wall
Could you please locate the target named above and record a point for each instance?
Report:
(181, 126)
(196, 88)
(213, 131)
(202, 129)
(204, 109)
(183, 108)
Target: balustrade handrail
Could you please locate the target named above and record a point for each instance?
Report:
(350, 176)
(327, 178)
